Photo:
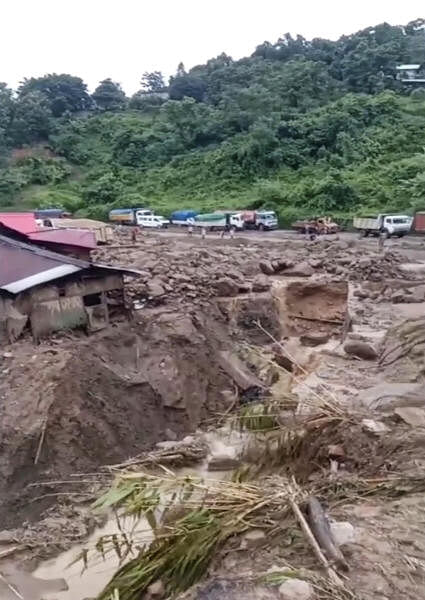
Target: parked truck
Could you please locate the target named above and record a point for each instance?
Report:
(181, 217)
(218, 221)
(388, 224)
(263, 220)
(127, 216)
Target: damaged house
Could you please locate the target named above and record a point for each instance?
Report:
(45, 291)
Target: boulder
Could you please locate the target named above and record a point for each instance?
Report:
(389, 395)
(342, 532)
(266, 267)
(261, 283)
(302, 269)
(314, 338)
(296, 589)
(155, 288)
(411, 415)
(360, 349)
(253, 538)
(225, 286)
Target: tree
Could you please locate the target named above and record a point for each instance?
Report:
(6, 115)
(64, 92)
(109, 95)
(32, 119)
(152, 82)
(188, 86)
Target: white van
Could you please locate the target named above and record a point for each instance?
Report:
(155, 221)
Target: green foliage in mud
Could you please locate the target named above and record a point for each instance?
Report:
(301, 127)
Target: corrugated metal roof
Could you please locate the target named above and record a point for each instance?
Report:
(24, 266)
(69, 237)
(22, 222)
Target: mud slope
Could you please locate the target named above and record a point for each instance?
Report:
(102, 400)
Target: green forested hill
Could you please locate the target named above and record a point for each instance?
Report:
(300, 126)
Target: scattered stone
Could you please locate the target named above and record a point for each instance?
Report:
(360, 349)
(7, 537)
(413, 416)
(296, 589)
(388, 395)
(314, 338)
(343, 532)
(336, 451)
(170, 435)
(303, 269)
(261, 283)
(375, 427)
(156, 590)
(253, 538)
(7, 354)
(223, 463)
(266, 267)
(155, 288)
(226, 286)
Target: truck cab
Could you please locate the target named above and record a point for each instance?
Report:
(266, 220)
(397, 225)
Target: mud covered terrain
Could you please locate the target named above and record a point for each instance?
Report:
(219, 327)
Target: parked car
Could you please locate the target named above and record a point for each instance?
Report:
(155, 221)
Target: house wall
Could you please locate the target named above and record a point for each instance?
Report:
(63, 305)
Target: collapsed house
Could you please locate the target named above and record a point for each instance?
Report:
(45, 292)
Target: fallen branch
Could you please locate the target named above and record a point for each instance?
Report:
(332, 575)
(322, 532)
(330, 321)
(40, 443)
(11, 587)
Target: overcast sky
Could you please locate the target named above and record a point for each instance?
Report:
(121, 39)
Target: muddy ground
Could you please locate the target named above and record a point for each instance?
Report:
(74, 403)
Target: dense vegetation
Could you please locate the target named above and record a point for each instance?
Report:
(300, 126)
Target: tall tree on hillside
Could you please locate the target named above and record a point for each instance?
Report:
(109, 95)
(152, 82)
(6, 115)
(32, 119)
(186, 85)
(64, 92)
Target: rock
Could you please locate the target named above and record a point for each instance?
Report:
(343, 532)
(170, 435)
(266, 267)
(314, 338)
(413, 416)
(360, 349)
(225, 286)
(336, 451)
(316, 263)
(386, 396)
(303, 269)
(155, 288)
(375, 427)
(296, 589)
(7, 354)
(7, 537)
(223, 463)
(156, 590)
(253, 538)
(261, 284)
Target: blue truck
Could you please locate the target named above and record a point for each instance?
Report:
(181, 217)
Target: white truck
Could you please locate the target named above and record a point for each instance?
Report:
(398, 225)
